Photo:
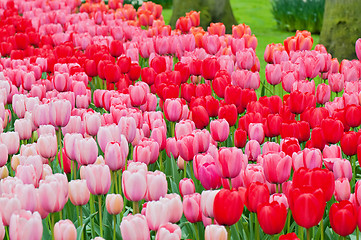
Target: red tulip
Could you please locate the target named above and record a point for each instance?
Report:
(240, 138)
(289, 236)
(307, 205)
(228, 207)
(116, 48)
(332, 130)
(200, 117)
(158, 63)
(343, 218)
(124, 64)
(257, 193)
(353, 115)
(210, 66)
(228, 112)
(297, 102)
(272, 217)
(349, 143)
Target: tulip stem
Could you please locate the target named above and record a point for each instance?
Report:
(135, 207)
(115, 178)
(300, 232)
(52, 225)
(230, 183)
(161, 162)
(228, 228)
(276, 187)
(196, 230)
(185, 169)
(288, 221)
(7, 233)
(274, 90)
(60, 149)
(256, 226)
(322, 234)
(120, 182)
(357, 233)
(100, 215)
(115, 225)
(92, 210)
(308, 234)
(352, 159)
(81, 220)
(172, 125)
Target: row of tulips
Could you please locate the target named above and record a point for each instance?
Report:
(115, 125)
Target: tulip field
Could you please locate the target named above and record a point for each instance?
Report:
(113, 125)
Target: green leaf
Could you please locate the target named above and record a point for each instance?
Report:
(80, 229)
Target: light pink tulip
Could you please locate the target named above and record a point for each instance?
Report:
(53, 193)
(40, 115)
(309, 158)
(11, 140)
(273, 73)
(169, 231)
(98, 179)
(277, 167)
(23, 128)
(25, 225)
(127, 127)
(134, 182)
(215, 232)
(156, 214)
(184, 127)
(78, 192)
(252, 150)
(157, 185)
(219, 130)
(192, 207)
(207, 202)
(86, 151)
(3, 154)
(342, 189)
(228, 163)
(75, 125)
(114, 203)
(116, 154)
(146, 151)
(138, 93)
(27, 196)
(47, 146)
(342, 169)
(59, 112)
(134, 227)
(65, 230)
(107, 134)
(92, 123)
(186, 187)
(173, 109)
(256, 132)
(70, 145)
(175, 206)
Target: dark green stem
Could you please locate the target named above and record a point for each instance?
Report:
(100, 214)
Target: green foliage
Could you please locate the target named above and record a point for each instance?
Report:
(138, 3)
(135, 3)
(292, 15)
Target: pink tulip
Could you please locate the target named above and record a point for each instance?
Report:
(186, 187)
(323, 93)
(61, 81)
(46, 129)
(256, 132)
(208, 176)
(27, 174)
(207, 201)
(270, 147)
(75, 125)
(157, 185)
(173, 109)
(277, 167)
(86, 151)
(127, 127)
(70, 145)
(203, 139)
(245, 58)
(309, 158)
(228, 164)
(172, 148)
(40, 115)
(92, 123)
(192, 207)
(27, 196)
(184, 127)
(280, 198)
(147, 151)
(97, 179)
(78, 192)
(47, 146)
(114, 203)
(2, 229)
(23, 128)
(273, 73)
(159, 134)
(59, 112)
(134, 227)
(3, 154)
(187, 147)
(332, 151)
(336, 82)
(342, 189)
(134, 182)
(53, 193)
(253, 173)
(116, 154)
(342, 169)
(219, 130)
(138, 93)
(168, 231)
(156, 214)
(215, 232)
(9, 205)
(65, 230)
(252, 150)
(11, 140)
(175, 206)
(25, 225)
(18, 104)
(358, 48)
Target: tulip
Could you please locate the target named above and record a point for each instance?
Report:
(127, 127)
(277, 167)
(59, 112)
(134, 227)
(336, 82)
(210, 66)
(228, 207)
(47, 146)
(115, 154)
(86, 151)
(191, 207)
(257, 193)
(27, 196)
(215, 232)
(175, 206)
(208, 176)
(173, 109)
(342, 168)
(349, 143)
(146, 151)
(219, 130)
(343, 218)
(138, 93)
(342, 189)
(240, 138)
(114, 203)
(97, 179)
(307, 205)
(323, 93)
(187, 147)
(92, 123)
(23, 128)
(207, 202)
(3, 154)
(186, 187)
(289, 236)
(252, 150)
(26, 225)
(199, 116)
(65, 229)
(332, 130)
(228, 163)
(256, 132)
(156, 214)
(273, 73)
(228, 112)
(78, 192)
(272, 217)
(168, 231)
(156, 185)
(134, 183)
(11, 140)
(53, 192)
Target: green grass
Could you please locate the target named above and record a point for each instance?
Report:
(257, 14)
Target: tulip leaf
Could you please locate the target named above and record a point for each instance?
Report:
(80, 229)
(46, 230)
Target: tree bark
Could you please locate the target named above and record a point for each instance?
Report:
(211, 11)
(341, 27)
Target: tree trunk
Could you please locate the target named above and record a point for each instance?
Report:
(211, 11)
(341, 27)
